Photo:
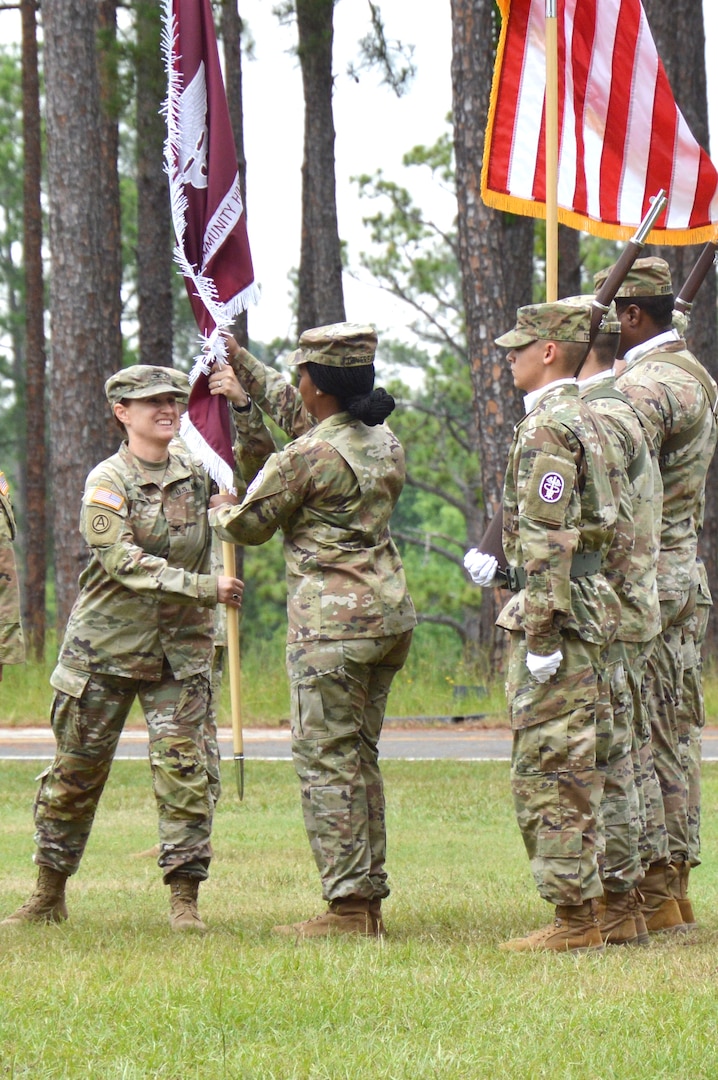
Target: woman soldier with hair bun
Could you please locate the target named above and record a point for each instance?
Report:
(332, 492)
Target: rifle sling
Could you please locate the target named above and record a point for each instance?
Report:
(596, 393)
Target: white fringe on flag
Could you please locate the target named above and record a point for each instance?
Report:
(215, 465)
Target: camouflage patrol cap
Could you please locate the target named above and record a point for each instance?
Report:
(609, 322)
(337, 345)
(647, 277)
(146, 380)
(558, 321)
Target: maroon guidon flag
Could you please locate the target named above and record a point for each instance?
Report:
(212, 248)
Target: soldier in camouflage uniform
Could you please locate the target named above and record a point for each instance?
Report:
(691, 721)
(676, 399)
(560, 509)
(142, 625)
(12, 645)
(332, 492)
(631, 570)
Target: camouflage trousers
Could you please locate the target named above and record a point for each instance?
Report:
(339, 691)
(663, 692)
(653, 837)
(87, 729)
(619, 819)
(211, 746)
(691, 721)
(555, 779)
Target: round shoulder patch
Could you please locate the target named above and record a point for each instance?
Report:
(551, 487)
(100, 524)
(255, 483)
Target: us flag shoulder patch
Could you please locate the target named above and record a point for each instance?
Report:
(105, 497)
(4, 486)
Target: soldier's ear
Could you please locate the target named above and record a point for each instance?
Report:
(550, 352)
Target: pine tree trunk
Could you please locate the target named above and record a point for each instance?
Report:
(81, 429)
(155, 266)
(35, 446)
(321, 296)
(569, 261)
(495, 252)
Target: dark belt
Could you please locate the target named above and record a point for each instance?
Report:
(583, 564)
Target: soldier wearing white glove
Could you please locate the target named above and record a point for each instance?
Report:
(481, 568)
(543, 667)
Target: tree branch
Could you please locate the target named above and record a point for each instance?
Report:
(440, 492)
(445, 620)
(426, 544)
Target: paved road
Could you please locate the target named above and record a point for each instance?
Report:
(270, 744)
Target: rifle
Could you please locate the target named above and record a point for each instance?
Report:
(607, 293)
(686, 295)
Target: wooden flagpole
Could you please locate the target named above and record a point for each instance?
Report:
(235, 679)
(551, 36)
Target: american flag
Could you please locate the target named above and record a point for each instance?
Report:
(621, 134)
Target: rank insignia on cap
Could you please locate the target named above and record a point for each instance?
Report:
(551, 487)
(4, 486)
(105, 497)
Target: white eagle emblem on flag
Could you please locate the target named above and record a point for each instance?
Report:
(192, 152)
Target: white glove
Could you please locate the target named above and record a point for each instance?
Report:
(481, 568)
(543, 667)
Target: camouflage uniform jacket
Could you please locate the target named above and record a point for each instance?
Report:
(147, 592)
(559, 501)
(332, 492)
(681, 428)
(276, 397)
(12, 645)
(638, 591)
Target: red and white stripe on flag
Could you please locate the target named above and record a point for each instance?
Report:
(210, 227)
(621, 135)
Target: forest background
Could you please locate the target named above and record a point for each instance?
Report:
(360, 110)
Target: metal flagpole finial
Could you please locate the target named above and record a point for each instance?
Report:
(239, 774)
(657, 202)
(551, 9)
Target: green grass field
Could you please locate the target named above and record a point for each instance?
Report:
(433, 683)
(113, 995)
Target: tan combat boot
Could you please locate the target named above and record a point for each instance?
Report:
(660, 908)
(183, 902)
(617, 917)
(352, 915)
(575, 929)
(47, 903)
(679, 889)
(148, 853)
